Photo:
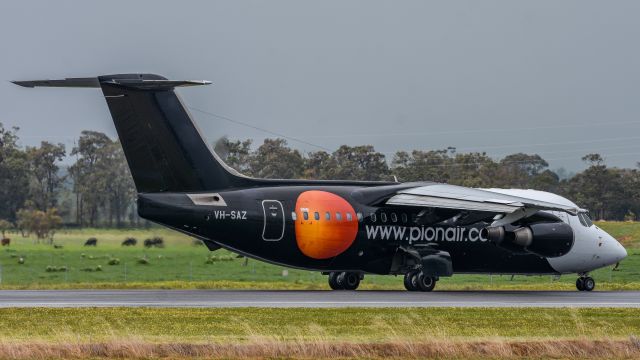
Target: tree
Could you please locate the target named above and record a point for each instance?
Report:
(597, 188)
(45, 180)
(275, 160)
(430, 165)
(319, 165)
(120, 190)
(14, 174)
(236, 154)
(517, 170)
(4, 227)
(41, 223)
(90, 181)
(359, 163)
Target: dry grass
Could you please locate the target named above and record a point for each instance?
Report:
(489, 349)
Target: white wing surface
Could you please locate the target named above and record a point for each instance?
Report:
(470, 199)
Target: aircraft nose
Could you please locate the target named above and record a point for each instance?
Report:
(616, 250)
(621, 252)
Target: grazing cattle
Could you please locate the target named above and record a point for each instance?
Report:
(155, 241)
(91, 242)
(6, 242)
(57, 246)
(129, 242)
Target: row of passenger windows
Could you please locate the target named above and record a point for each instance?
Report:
(373, 217)
(327, 216)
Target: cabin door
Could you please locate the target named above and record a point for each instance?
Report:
(273, 220)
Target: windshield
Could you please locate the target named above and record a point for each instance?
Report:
(585, 220)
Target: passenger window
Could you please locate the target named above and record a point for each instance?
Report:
(294, 216)
(349, 218)
(373, 217)
(404, 218)
(360, 217)
(316, 215)
(305, 215)
(394, 217)
(338, 216)
(383, 217)
(327, 215)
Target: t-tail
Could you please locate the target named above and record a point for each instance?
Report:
(162, 144)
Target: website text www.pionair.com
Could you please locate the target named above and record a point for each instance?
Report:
(412, 234)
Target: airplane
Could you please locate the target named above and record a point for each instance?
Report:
(344, 229)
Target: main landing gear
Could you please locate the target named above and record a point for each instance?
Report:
(344, 280)
(415, 280)
(585, 283)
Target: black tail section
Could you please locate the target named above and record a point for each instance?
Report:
(163, 146)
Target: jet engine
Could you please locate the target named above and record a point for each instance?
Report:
(544, 239)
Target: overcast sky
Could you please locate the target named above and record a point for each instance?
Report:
(558, 78)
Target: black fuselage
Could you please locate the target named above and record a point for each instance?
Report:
(244, 225)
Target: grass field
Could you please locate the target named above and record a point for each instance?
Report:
(313, 333)
(182, 265)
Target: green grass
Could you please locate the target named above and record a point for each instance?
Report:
(351, 325)
(352, 333)
(182, 265)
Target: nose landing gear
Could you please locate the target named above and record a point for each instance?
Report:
(415, 280)
(585, 283)
(344, 280)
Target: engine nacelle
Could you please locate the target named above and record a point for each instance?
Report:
(544, 239)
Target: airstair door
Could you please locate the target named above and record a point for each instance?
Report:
(273, 220)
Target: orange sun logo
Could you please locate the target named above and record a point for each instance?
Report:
(326, 224)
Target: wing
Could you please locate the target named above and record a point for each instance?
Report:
(469, 200)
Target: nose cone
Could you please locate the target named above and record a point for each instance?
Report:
(620, 251)
(615, 251)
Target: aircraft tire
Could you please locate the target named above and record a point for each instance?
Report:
(580, 284)
(333, 281)
(589, 283)
(349, 280)
(411, 281)
(426, 283)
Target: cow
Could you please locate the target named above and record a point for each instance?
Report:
(91, 242)
(129, 242)
(6, 241)
(155, 241)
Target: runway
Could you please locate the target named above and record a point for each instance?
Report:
(327, 299)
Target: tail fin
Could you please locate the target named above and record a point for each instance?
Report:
(162, 144)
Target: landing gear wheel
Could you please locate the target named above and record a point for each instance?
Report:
(589, 283)
(411, 281)
(333, 281)
(349, 280)
(585, 283)
(426, 283)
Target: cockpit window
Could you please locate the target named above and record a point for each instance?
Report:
(581, 219)
(584, 219)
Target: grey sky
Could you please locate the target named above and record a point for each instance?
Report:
(560, 78)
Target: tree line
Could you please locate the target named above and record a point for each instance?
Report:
(97, 188)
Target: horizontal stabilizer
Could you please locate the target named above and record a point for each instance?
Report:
(69, 82)
(94, 82)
